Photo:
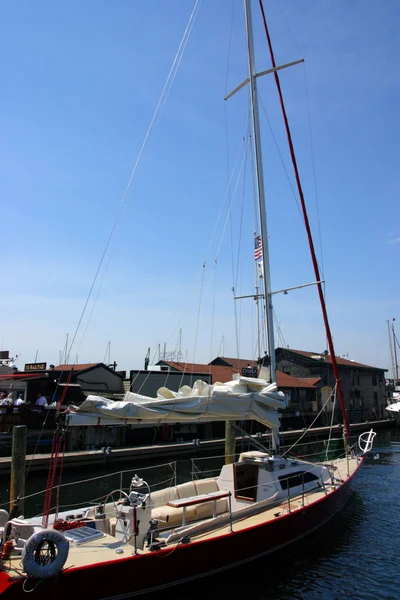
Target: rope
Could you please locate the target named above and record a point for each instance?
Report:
(38, 581)
(162, 99)
(310, 426)
(308, 229)
(55, 450)
(330, 430)
(58, 437)
(59, 481)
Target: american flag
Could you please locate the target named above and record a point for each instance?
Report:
(257, 248)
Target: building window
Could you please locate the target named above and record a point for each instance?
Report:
(374, 379)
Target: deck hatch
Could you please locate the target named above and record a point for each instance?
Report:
(80, 535)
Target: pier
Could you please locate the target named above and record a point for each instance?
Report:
(40, 462)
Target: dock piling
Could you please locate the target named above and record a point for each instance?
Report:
(17, 480)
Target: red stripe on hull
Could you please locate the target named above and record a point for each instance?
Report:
(138, 574)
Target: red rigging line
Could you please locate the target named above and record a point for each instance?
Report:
(58, 438)
(308, 229)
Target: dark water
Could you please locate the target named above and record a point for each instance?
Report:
(356, 556)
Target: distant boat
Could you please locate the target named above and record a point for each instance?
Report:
(140, 540)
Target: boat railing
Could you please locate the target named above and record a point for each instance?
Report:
(171, 480)
(198, 472)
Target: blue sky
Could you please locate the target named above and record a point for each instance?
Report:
(80, 83)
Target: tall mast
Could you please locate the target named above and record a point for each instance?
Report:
(310, 239)
(257, 298)
(260, 189)
(396, 366)
(391, 352)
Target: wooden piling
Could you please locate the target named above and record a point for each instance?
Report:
(17, 481)
(230, 440)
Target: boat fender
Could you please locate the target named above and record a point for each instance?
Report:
(34, 564)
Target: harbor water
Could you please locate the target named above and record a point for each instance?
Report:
(355, 556)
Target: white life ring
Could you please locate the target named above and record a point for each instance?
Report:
(47, 566)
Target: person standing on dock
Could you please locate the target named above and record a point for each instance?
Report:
(41, 400)
(19, 400)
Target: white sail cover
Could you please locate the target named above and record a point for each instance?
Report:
(243, 398)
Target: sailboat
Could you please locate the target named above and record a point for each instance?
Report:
(140, 540)
(394, 407)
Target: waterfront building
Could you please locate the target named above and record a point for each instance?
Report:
(363, 386)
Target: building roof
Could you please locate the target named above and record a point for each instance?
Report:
(80, 367)
(284, 380)
(224, 374)
(218, 373)
(316, 356)
(326, 358)
(238, 363)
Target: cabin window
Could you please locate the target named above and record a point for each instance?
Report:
(246, 480)
(286, 370)
(296, 479)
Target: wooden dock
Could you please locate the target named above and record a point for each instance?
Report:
(40, 462)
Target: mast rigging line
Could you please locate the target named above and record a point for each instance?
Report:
(308, 229)
(161, 102)
(234, 177)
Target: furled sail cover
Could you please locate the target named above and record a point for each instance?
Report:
(243, 398)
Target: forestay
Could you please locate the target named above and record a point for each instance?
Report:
(242, 398)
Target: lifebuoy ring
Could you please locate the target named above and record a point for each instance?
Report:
(45, 553)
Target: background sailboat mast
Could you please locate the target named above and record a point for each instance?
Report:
(396, 366)
(391, 350)
(260, 189)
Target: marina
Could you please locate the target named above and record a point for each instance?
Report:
(120, 484)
